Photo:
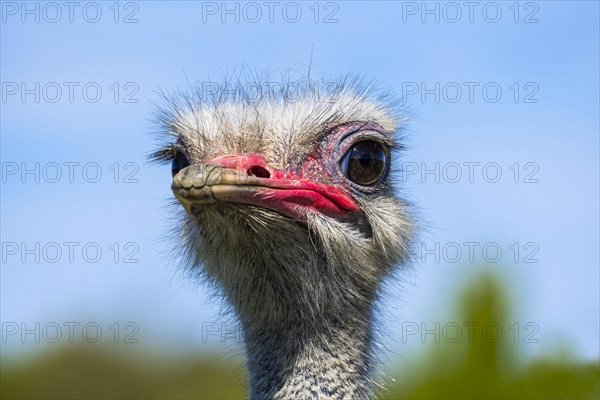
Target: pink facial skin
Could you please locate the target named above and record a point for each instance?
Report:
(248, 179)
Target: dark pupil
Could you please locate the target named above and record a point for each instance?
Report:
(366, 163)
(179, 162)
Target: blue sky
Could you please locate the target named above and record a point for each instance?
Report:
(545, 120)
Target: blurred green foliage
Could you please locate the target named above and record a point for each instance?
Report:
(97, 372)
(471, 367)
(485, 364)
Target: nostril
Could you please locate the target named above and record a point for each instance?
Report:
(259, 172)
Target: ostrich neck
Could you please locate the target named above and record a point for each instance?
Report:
(310, 336)
(330, 360)
(306, 315)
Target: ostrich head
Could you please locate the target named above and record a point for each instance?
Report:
(288, 208)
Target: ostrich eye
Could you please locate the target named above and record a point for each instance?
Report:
(180, 161)
(364, 163)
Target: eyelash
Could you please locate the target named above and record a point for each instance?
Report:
(162, 156)
(350, 140)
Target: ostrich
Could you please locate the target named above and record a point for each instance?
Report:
(290, 213)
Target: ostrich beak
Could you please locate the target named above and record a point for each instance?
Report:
(246, 179)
